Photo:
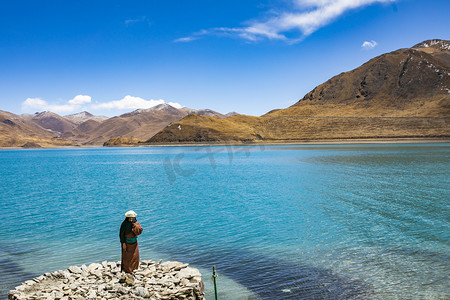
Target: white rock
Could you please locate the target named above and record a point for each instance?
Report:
(145, 272)
(184, 281)
(168, 265)
(92, 294)
(75, 269)
(97, 273)
(168, 280)
(188, 273)
(94, 266)
(29, 282)
(141, 292)
(122, 290)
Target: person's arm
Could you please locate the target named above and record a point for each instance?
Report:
(122, 232)
(137, 228)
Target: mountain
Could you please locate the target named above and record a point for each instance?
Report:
(405, 83)
(52, 121)
(404, 93)
(401, 94)
(203, 112)
(132, 127)
(139, 124)
(231, 114)
(122, 141)
(84, 116)
(84, 128)
(18, 131)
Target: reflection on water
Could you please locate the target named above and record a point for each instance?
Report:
(11, 274)
(294, 222)
(274, 278)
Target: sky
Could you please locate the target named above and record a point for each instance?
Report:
(110, 57)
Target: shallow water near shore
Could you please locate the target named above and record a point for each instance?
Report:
(367, 221)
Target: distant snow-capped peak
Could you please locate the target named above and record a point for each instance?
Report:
(44, 114)
(84, 116)
(159, 107)
(80, 115)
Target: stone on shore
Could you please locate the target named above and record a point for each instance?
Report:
(162, 280)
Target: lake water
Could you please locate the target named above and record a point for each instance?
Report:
(278, 222)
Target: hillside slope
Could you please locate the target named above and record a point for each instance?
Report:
(51, 121)
(84, 128)
(405, 83)
(404, 93)
(17, 131)
(142, 124)
(84, 116)
(138, 124)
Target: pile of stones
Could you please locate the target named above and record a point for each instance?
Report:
(161, 280)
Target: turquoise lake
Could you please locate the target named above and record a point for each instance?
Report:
(363, 221)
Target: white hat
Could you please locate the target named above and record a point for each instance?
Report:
(130, 214)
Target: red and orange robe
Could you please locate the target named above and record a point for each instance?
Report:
(130, 249)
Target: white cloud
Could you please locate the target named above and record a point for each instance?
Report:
(130, 102)
(369, 45)
(80, 99)
(37, 104)
(305, 17)
(135, 21)
(186, 39)
(34, 103)
(83, 102)
(175, 104)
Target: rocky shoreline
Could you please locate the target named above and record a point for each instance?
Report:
(161, 280)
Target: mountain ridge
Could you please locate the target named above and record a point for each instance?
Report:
(83, 116)
(400, 94)
(18, 131)
(84, 128)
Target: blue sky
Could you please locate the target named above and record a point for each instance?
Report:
(109, 57)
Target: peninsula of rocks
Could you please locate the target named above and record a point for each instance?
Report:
(161, 280)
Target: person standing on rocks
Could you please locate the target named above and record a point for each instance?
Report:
(129, 230)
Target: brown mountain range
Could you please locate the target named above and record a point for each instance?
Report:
(401, 94)
(17, 131)
(51, 121)
(50, 129)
